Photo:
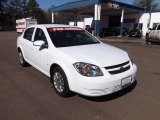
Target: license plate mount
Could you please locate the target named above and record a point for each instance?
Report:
(125, 82)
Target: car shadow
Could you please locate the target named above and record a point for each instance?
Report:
(111, 96)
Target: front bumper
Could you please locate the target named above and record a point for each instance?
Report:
(106, 88)
(103, 85)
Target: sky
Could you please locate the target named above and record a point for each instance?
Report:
(45, 4)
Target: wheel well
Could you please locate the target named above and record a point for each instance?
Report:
(52, 67)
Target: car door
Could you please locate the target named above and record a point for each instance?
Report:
(39, 53)
(152, 34)
(27, 43)
(157, 33)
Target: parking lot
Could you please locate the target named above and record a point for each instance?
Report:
(27, 94)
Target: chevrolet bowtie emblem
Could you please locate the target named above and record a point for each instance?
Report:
(121, 68)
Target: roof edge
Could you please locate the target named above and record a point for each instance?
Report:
(84, 3)
(74, 4)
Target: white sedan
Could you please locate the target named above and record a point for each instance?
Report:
(75, 60)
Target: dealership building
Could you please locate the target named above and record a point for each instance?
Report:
(109, 13)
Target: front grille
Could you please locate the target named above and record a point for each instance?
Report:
(116, 69)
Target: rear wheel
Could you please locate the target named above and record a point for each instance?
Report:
(60, 82)
(21, 59)
(147, 39)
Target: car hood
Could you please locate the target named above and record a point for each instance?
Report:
(99, 54)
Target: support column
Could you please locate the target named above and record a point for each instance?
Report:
(52, 17)
(149, 24)
(97, 16)
(122, 23)
(150, 17)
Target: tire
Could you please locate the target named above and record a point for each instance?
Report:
(148, 43)
(147, 39)
(21, 59)
(60, 82)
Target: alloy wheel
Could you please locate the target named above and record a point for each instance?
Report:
(58, 82)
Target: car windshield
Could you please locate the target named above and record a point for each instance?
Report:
(64, 37)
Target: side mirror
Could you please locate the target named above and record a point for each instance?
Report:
(39, 43)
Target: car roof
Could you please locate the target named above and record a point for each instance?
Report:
(52, 25)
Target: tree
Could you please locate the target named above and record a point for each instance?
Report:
(2, 12)
(1, 4)
(147, 4)
(49, 15)
(41, 16)
(33, 7)
(36, 12)
(16, 6)
(24, 9)
(11, 10)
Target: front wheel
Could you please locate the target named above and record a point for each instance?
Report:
(60, 82)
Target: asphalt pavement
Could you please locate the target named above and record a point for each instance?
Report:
(27, 94)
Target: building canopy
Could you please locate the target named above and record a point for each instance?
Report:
(85, 7)
(97, 8)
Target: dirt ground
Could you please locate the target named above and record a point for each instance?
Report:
(27, 94)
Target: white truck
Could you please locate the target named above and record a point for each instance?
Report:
(23, 23)
(153, 35)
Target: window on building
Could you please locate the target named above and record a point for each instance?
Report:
(135, 25)
(140, 26)
(155, 24)
(158, 28)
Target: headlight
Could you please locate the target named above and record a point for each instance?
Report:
(88, 70)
